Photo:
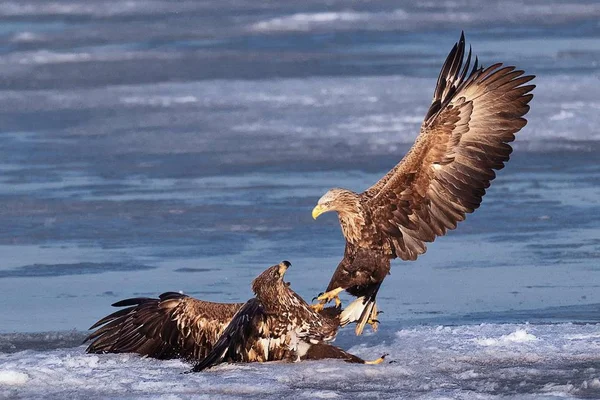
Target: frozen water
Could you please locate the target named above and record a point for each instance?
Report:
(148, 146)
(522, 361)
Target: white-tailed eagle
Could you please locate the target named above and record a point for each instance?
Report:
(475, 113)
(277, 324)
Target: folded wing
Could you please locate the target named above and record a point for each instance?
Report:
(237, 340)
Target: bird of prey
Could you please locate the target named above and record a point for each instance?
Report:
(475, 113)
(277, 324)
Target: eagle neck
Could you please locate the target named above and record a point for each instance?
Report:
(352, 223)
(272, 295)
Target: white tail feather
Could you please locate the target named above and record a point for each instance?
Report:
(365, 317)
(353, 312)
(362, 312)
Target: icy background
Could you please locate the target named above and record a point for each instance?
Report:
(437, 362)
(148, 146)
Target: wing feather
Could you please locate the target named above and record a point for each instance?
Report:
(233, 342)
(463, 139)
(175, 325)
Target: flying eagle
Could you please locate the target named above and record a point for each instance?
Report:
(275, 325)
(474, 115)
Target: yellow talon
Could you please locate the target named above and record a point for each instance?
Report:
(373, 318)
(378, 361)
(331, 295)
(374, 324)
(326, 297)
(318, 307)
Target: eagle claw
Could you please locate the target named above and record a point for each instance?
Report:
(326, 297)
(378, 361)
(317, 307)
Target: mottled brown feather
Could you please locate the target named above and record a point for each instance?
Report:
(266, 328)
(443, 176)
(174, 325)
(271, 326)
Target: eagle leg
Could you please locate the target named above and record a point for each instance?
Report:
(338, 302)
(370, 320)
(373, 321)
(326, 297)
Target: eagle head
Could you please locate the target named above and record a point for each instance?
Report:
(271, 279)
(340, 200)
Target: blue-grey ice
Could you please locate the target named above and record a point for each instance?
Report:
(151, 146)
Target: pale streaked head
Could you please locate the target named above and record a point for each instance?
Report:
(333, 200)
(271, 277)
(270, 281)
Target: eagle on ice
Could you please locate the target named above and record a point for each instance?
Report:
(465, 137)
(277, 324)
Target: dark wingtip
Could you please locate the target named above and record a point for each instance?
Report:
(134, 301)
(476, 65)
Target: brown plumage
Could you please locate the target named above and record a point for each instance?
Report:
(275, 325)
(172, 326)
(463, 139)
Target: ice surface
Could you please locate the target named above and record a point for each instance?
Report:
(40, 270)
(192, 138)
(526, 361)
(413, 15)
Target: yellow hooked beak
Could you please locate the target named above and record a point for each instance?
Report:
(318, 210)
(283, 266)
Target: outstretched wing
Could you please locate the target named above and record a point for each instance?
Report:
(174, 325)
(235, 343)
(464, 138)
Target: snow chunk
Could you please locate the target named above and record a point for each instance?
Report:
(588, 336)
(518, 336)
(9, 377)
(469, 374)
(162, 101)
(321, 394)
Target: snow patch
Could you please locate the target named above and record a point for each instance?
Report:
(13, 378)
(321, 394)
(583, 336)
(470, 374)
(308, 21)
(562, 115)
(408, 19)
(424, 362)
(26, 37)
(592, 384)
(518, 336)
(162, 101)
